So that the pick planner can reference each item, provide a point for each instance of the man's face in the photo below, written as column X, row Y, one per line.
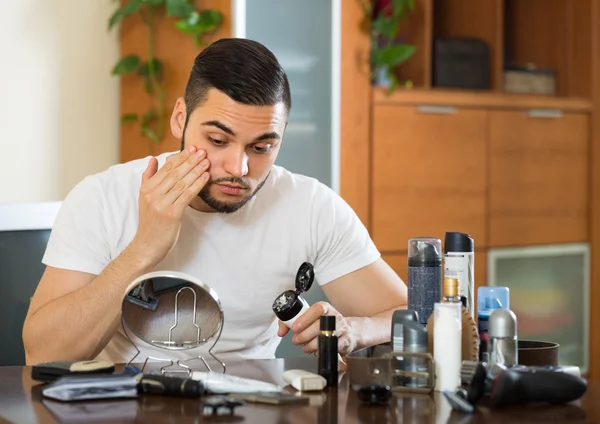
column 241, row 142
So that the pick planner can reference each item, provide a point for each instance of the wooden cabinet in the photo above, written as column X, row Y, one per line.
column 428, row 173
column 538, row 177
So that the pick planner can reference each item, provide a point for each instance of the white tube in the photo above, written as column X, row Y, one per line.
column 291, row 321
column 223, row 383
column 447, row 332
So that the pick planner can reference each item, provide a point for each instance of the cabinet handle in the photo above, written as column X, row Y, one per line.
column 545, row 113
column 442, row 110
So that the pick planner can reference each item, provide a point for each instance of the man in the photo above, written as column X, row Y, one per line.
column 219, row 210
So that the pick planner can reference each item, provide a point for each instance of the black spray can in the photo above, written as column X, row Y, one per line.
column 424, row 275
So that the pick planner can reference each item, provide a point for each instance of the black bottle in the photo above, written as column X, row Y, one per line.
column 328, row 350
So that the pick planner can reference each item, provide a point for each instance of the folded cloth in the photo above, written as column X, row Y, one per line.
column 105, row 386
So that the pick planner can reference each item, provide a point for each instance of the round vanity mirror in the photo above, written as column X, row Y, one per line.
column 172, row 310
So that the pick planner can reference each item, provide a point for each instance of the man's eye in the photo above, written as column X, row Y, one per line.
column 263, row 149
column 216, row 141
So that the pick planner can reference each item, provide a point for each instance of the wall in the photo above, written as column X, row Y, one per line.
column 59, row 109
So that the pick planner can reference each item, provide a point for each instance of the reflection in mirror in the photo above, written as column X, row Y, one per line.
column 172, row 311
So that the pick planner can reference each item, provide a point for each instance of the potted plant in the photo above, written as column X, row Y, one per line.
column 189, row 20
column 383, row 19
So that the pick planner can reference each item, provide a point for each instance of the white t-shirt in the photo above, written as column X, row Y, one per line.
column 248, row 257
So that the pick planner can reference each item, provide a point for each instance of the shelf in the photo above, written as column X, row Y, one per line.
column 493, row 100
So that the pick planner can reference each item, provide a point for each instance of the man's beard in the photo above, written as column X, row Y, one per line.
column 219, row 205
column 227, row 207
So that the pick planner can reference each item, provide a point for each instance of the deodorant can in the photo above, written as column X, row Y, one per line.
column 459, row 263
column 424, row 275
column 415, row 341
column 503, row 344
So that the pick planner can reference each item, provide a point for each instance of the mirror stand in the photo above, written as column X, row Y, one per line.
column 180, row 363
column 172, row 311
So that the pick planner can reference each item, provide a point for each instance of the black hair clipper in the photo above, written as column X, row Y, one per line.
column 507, row 386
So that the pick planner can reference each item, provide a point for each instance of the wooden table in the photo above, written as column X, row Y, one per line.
column 21, row 402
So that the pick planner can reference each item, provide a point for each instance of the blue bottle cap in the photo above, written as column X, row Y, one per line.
column 491, row 298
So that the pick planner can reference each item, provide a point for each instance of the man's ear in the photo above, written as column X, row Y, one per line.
column 178, row 119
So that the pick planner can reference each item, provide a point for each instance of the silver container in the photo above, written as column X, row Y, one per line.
column 502, row 333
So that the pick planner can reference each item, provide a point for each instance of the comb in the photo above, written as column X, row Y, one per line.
column 470, row 337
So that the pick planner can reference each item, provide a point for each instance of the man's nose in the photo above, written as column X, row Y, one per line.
column 236, row 164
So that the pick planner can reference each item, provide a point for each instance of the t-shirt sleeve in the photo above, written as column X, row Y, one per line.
column 78, row 238
column 342, row 243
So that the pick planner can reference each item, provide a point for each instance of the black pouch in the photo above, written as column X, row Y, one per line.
column 50, row 371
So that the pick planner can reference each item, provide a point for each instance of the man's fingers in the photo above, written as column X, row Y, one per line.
column 307, row 334
column 311, row 315
column 191, row 192
column 174, row 175
column 150, row 169
column 179, row 187
column 345, row 345
column 283, row 329
column 173, row 164
column 311, row 347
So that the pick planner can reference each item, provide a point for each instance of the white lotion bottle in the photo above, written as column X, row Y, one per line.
column 447, row 338
column 289, row 305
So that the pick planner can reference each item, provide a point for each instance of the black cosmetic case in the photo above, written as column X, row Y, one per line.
column 461, row 63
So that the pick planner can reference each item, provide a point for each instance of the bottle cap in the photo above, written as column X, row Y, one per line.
column 502, row 323
column 492, row 298
column 450, row 287
column 458, row 242
column 288, row 304
column 327, row 322
column 424, row 252
column 415, row 337
column 304, row 277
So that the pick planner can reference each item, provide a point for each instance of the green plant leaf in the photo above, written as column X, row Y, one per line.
column 129, row 117
column 149, row 133
column 127, row 64
column 393, row 81
column 398, row 7
column 198, row 23
column 144, row 69
column 149, row 116
column 179, row 8
column 154, row 2
column 385, row 26
column 393, row 55
column 121, row 13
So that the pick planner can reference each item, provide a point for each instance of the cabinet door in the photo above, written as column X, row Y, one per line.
column 428, row 174
column 538, row 178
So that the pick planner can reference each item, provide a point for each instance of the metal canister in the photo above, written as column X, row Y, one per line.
column 502, row 332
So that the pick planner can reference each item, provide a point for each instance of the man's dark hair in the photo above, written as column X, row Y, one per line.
column 243, row 69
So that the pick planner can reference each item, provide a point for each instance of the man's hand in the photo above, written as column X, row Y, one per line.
column 307, row 329
column 164, row 195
